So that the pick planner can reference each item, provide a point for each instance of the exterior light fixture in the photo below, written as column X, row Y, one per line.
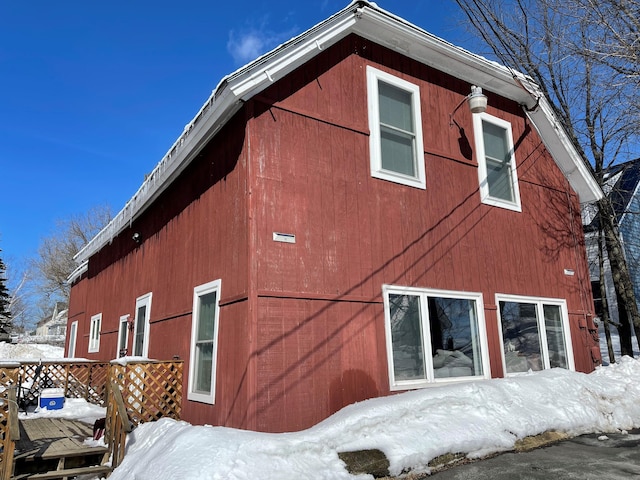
column 477, row 103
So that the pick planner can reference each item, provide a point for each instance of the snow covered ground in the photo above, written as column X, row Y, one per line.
column 411, row 428
column 477, row 418
column 29, row 351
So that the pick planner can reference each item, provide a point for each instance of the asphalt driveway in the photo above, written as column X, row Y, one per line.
column 586, row 457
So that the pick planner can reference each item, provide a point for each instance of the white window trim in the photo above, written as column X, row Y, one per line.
column 539, row 302
column 482, row 164
column 94, row 333
column 424, row 293
column 373, row 77
column 123, row 325
column 73, row 339
column 214, row 286
column 144, row 300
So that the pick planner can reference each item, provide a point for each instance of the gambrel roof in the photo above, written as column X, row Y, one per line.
column 369, row 21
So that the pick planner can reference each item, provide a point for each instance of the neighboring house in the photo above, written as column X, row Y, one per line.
column 56, row 324
column 622, row 184
column 332, row 227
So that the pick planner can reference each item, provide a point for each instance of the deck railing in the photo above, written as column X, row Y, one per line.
column 146, row 391
column 140, row 391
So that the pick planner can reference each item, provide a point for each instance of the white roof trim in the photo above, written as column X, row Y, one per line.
column 369, row 21
column 77, row 273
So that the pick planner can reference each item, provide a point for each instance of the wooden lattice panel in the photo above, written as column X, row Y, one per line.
column 4, row 430
column 79, row 380
column 88, row 381
column 8, row 380
column 9, row 376
column 150, row 390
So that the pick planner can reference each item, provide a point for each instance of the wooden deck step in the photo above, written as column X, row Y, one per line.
column 54, row 448
column 70, row 473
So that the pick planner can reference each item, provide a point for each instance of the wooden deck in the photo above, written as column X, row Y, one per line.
column 53, row 448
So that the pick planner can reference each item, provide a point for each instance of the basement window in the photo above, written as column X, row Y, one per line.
column 534, row 334
column 434, row 336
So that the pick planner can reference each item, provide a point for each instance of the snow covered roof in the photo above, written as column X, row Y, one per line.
column 366, row 19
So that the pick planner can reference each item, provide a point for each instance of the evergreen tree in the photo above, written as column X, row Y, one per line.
column 5, row 301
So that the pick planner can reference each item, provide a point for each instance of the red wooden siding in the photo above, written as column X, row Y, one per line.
column 302, row 325
column 354, row 233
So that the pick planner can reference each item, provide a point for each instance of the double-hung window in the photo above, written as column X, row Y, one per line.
column 534, row 334
column 395, row 123
column 496, row 162
column 204, row 342
column 94, row 333
column 434, row 336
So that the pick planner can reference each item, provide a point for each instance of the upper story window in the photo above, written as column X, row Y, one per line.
column 535, row 334
column 434, row 336
column 395, row 123
column 496, row 162
column 94, row 333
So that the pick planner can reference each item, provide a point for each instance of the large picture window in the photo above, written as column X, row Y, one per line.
column 434, row 336
column 535, row 334
column 395, row 123
column 204, row 339
column 496, row 162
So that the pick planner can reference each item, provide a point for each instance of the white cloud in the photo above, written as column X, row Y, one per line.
column 248, row 44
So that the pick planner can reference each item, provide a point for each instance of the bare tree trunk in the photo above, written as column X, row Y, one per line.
column 621, row 278
column 606, row 320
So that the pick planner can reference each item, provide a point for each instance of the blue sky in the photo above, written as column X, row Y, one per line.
column 93, row 94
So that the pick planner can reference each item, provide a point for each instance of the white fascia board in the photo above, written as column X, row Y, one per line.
column 564, row 153
column 77, row 273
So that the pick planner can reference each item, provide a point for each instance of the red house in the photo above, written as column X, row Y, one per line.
column 336, row 224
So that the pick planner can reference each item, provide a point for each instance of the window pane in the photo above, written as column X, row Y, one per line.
column 204, row 363
column 395, row 107
column 397, row 152
column 498, row 160
column 206, row 320
column 555, row 336
column 520, row 336
column 499, row 180
column 406, row 337
column 138, row 342
column 454, row 337
column 123, row 335
column 495, row 142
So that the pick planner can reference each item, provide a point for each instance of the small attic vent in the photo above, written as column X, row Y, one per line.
column 284, row 237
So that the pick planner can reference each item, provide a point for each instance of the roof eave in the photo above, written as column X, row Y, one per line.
column 564, row 152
